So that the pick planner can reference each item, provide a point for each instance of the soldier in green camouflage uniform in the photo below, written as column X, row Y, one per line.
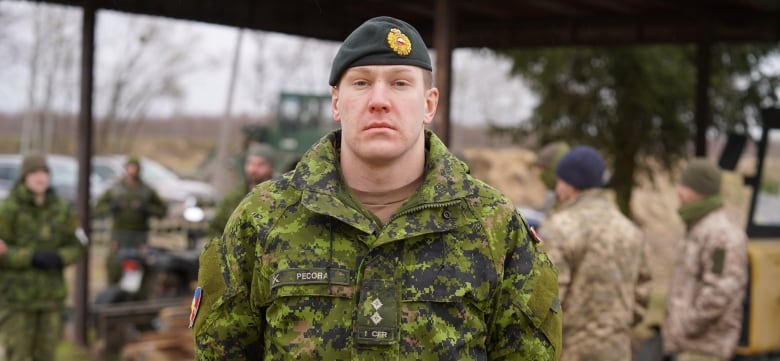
column 704, row 304
column 258, row 168
column 131, row 203
column 379, row 245
column 604, row 277
column 37, row 239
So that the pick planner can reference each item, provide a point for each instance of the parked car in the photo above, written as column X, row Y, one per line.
column 64, row 176
column 172, row 188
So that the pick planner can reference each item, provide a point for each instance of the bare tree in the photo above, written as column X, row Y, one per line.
column 145, row 69
column 52, row 48
column 289, row 63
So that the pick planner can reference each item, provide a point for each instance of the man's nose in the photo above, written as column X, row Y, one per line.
column 379, row 100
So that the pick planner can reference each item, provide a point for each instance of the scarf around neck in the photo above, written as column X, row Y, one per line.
column 694, row 211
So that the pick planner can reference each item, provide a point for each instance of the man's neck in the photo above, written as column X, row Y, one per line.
column 39, row 198
column 131, row 182
column 368, row 177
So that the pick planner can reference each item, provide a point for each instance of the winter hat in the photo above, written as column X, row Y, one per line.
column 31, row 163
column 380, row 41
column 582, row 168
column 548, row 158
column 261, row 150
column 703, row 176
column 133, row 160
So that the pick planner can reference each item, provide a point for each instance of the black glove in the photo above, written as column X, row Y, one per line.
column 142, row 208
column 46, row 260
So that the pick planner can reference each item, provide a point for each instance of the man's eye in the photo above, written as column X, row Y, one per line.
column 401, row 83
column 360, row 83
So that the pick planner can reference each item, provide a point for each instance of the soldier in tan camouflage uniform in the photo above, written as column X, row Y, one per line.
column 379, row 245
column 603, row 274
column 704, row 303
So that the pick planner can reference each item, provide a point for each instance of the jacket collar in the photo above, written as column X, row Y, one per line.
column 319, row 177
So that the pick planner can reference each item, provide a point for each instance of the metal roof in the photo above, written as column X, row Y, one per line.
column 489, row 23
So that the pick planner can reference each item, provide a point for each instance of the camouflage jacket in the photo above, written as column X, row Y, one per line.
column 26, row 228
column 704, row 303
column 604, row 277
column 304, row 272
column 130, row 207
column 225, row 208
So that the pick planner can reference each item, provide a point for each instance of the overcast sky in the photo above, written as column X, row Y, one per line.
column 270, row 63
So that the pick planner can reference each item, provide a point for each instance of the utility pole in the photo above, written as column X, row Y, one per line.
column 223, row 172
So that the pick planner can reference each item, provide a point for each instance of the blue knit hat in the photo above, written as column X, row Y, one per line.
column 582, row 168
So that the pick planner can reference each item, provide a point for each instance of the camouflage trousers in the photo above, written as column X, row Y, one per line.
column 29, row 335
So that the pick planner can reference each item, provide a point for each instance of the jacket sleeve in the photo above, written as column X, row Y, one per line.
column 643, row 285
column 526, row 320
column 724, row 274
column 156, row 207
column 14, row 257
column 226, row 326
column 554, row 245
column 103, row 205
column 70, row 248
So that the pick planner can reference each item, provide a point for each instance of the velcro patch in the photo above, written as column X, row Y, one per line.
column 718, row 259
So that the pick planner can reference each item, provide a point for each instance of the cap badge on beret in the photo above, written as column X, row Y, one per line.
column 399, row 42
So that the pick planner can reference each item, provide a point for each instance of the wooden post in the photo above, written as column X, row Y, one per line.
column 84, row 158
column 703, row 114
column 444, row 24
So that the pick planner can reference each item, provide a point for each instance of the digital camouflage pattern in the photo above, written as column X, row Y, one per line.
column 26, row 228
column 603, row 276
column 304, row 272
column 30, row 335
column 225, row 208
column 704, row 303
column 32, row 299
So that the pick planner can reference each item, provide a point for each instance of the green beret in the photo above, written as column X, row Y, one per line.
column 33, row 162
column 703, row 176
column 380, row 41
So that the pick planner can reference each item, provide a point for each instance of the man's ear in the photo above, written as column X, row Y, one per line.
column 431, row 103
column 334, row 103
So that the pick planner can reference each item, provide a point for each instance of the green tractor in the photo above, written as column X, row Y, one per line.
column 301, row 120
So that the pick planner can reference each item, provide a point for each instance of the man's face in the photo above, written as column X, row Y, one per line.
column 686, row 195
column 383, row 110
column 564, row 191
column 37, row 181
column 132, row 170
column 257, row 169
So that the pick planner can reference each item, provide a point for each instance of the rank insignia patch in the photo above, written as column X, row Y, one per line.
column 399, row 42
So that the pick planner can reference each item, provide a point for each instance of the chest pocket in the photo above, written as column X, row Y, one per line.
column 447, row 268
